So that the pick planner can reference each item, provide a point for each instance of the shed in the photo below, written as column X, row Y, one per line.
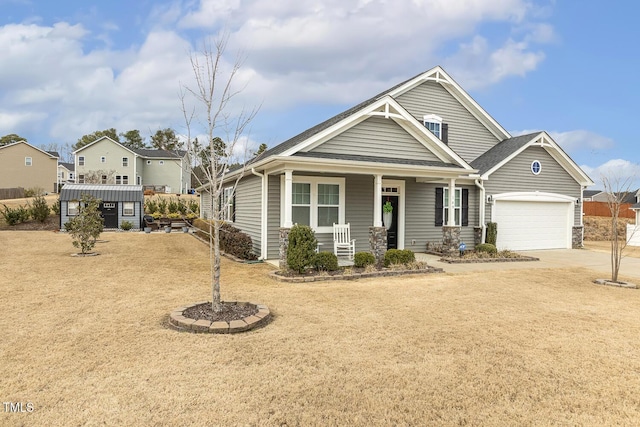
column 118, row 203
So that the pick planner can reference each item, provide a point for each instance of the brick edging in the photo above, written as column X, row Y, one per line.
column 181, row 323
column 387, row 273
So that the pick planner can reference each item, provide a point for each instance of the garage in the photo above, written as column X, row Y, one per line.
column 535, row 221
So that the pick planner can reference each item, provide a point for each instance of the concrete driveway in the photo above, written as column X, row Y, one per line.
column 553, row 258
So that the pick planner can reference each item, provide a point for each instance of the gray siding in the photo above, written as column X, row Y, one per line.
column 377, row 137
column 248, row 209
column 136, row 219
column 273, row 214
column 359, row 209
column 552, row 178
column 420, row 216
column 467, row 136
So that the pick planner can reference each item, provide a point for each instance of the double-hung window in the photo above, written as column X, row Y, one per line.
column 317, row 202
column 125, row 162
column 228, row 205
column 72, row 208
column 103, row 179
column 434, row 124
column 80, row 179
column 128, row 209
column 460, row 207
column 28, row 161
column 80, row 160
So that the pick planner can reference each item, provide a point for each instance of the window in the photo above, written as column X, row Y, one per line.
column 80, row 179
column 317, row 202
column 128, row 209
column 161, row 162
column 104, row 179
column 125, row 179
column 301, row 203
column 536, row 167
column 125, row 162
column 328, row 204
column 460, row 206
column 28, row 161
column 228, row 205
column 70, row 175
column 434, row 124
column 81, row 161
column 103, row 159
column 72, row 208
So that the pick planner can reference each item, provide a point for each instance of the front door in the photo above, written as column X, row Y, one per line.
column 109, row 212
column 392, row 229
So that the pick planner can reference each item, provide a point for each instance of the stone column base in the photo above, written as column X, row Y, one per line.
column 576, row 237
column 284, row 246
column 378, row 243
column 450, row 239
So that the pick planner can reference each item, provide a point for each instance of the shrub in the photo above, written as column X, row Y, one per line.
column 150, row 206
column 398, row 256
column 325, row 261
column 162, row 205
column 363, row 259
column 56, row 207
column 492, row 233
column 302, row 248
column 172, row 206
column 182, row 207
column 126, row 225
column 193, row 206
column 13, row 216
column 34, row 191
column 173, row 215
column 87, row 225
column 487, row 247
column 40, row 209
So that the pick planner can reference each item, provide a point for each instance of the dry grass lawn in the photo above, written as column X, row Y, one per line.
column 84, row 340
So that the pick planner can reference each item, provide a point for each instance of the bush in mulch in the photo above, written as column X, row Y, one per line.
column 232, row 240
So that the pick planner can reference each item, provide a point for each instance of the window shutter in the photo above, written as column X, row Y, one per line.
column 439, row 206
column 233, row 207
column 445, row 133
column 465, row 207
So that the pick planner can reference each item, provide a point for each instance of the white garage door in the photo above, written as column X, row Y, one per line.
column 526, row 225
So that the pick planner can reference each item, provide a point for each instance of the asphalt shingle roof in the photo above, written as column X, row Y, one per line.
column 501, row 151
column 69, row 166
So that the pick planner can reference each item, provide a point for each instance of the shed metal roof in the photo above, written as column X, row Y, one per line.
column 110, row 193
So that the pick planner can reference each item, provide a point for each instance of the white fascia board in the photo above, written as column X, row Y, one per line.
column 305, row 164
column 98, row 140
column 507, row 159
column 438, row 75
column 29, row 145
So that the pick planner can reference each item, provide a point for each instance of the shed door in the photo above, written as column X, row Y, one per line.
column 109, row 212
column 530, row 225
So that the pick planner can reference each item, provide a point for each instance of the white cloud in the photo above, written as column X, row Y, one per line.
column 582, row 140
column 624, row 175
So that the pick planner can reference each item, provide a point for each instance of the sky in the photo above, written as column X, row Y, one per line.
column 571, row 68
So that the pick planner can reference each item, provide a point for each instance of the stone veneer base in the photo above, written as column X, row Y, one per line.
column 619, row 284
column 178, row 322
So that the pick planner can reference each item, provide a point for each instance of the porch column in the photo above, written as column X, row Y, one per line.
column 452, row 203
column 288, row 197
column 377, row 202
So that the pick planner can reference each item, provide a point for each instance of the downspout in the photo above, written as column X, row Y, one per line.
column 263, row 214
column 481, row 208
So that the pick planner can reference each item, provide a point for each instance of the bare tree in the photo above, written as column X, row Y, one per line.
column 616, row 188
column 224, row 129
column 96, row 177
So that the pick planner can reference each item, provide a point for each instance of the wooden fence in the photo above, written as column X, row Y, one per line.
column 601, row 209
column 11, row 193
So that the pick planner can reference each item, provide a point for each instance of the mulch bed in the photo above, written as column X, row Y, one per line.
column 230, row 311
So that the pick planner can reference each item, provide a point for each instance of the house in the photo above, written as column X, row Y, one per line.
column 106, row 161
column 445, row 165
column 633, row 230
column 588, row 195
column 624, row 196
column 118, row 203
column 66, row 173
column 26, row 166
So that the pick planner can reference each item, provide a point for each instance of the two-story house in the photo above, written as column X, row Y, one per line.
column 26, row 166
column 106, row 161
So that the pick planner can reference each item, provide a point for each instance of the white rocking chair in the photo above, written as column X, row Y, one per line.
column 342, row 243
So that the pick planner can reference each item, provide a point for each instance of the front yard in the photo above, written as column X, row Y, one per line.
column 84, row 340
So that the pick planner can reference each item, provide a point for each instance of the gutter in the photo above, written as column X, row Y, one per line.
column 263, row 213
column 481, row 213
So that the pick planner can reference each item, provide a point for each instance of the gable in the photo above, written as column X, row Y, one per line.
column 516, row 175
column 377, row 137
column 467, row 135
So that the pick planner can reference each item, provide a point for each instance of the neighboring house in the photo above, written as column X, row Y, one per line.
column 625, row 196
column 588, row 195
column 66, row 173
column 428, row 148
column 106, row 161
column 633, row 230
column 118, row 203
column 26, row 166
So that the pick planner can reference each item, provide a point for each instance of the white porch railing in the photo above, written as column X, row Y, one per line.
column 633, row 235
